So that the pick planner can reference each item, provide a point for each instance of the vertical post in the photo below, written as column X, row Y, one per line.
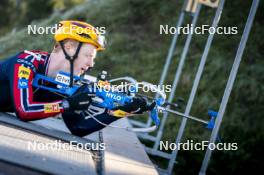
column 177, row 77
column 98, row 157
column 195, row 85
column 230, row 83
column 170, row 53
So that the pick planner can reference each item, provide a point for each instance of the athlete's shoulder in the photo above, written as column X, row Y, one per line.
column 33, row 55
column 32, row 58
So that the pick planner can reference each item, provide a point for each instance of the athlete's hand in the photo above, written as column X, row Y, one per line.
column 137, row 106
column 79, row 101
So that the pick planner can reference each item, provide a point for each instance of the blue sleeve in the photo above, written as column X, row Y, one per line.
column 81, row 126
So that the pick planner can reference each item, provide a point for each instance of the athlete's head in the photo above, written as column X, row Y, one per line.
column 76, row 41
column 84, row 60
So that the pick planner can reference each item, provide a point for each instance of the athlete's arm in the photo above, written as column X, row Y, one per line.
column 21, row 87
column 83, row 125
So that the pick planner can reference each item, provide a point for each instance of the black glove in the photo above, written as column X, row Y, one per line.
column 137, row 106
column 79, row 101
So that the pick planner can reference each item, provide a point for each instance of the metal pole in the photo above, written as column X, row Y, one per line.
column 176, row 78
column 170, row 53
column 195, row 85
column 230, row 83
column 100, row 167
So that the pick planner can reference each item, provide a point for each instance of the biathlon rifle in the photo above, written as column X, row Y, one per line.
column 110, row 97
